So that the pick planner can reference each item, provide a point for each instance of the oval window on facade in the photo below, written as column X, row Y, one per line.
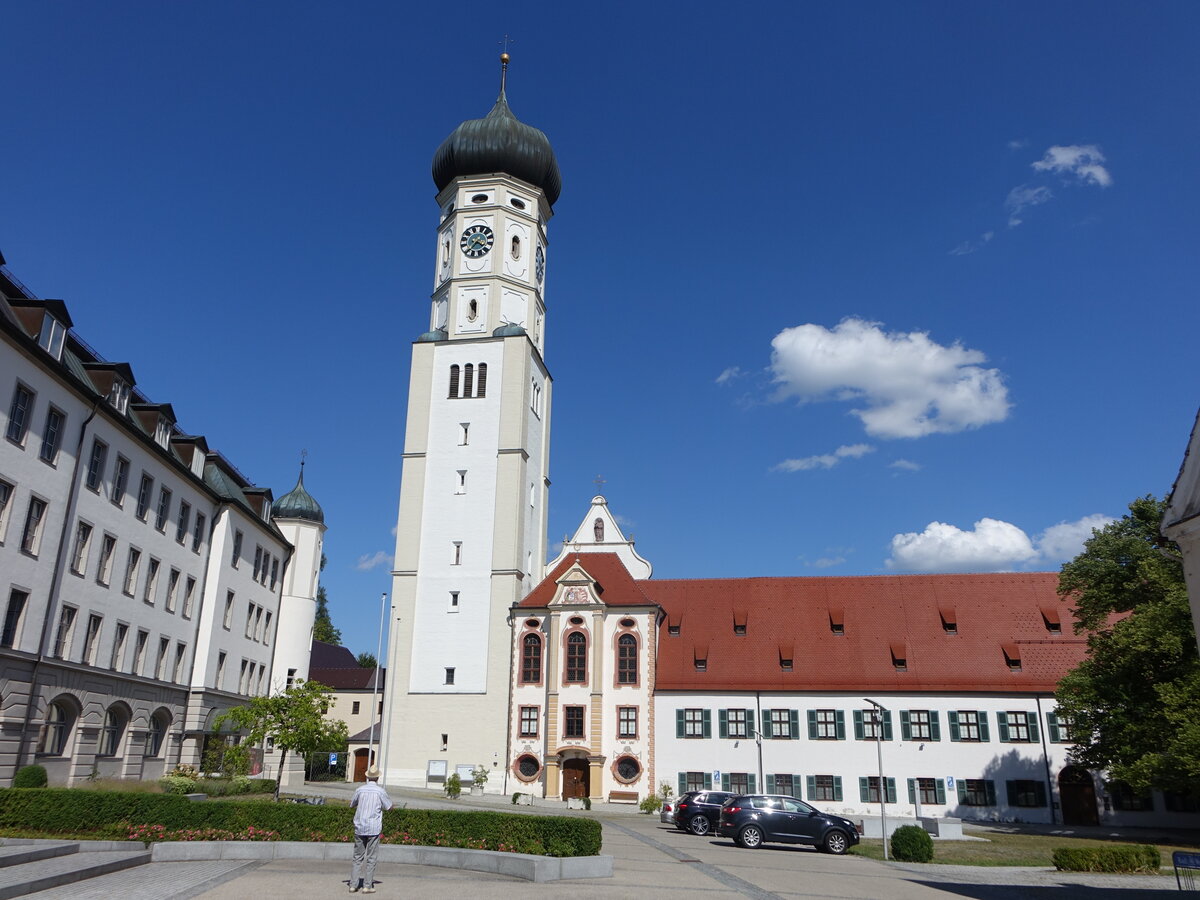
column 528, row 767
column 479, row 198
column 516, row 247
column 519, row 204
column 628, row 769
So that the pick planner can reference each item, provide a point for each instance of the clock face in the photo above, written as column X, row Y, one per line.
column 539, row 265
column 476, row 241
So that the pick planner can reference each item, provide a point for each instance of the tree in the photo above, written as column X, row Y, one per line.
column 1131, row 703
column 295, row 719
column 368, row 660
column 323, row 629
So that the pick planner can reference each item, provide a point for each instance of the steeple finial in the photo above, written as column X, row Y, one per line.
column 504, row 64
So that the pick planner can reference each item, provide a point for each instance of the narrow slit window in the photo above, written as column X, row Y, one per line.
column 453, row 382
column 482, row 388
column 468, row 380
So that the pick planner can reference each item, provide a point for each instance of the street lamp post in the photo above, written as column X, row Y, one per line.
column 877, row 720
column 375, row 693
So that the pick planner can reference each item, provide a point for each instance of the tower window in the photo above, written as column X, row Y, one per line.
column 517, row 204
column 450, row 675
column 454, row 381
column 466, row 433
column 468, row 378
column 576, row 658
column 453, row 601
column 516, row 247
column 627, row 659
column 482, row 392
column 457, row 554
column 472, row 310
column 531, row 659
column 480, row 198
column 460, row 486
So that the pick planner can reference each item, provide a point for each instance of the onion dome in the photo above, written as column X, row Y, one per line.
column 438, row 334
column 298, row 504
column 508, row 330
column 499, row 142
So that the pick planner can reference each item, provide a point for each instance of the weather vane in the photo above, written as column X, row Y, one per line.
column 599, row 482
column 507, row 40
column 303, row 456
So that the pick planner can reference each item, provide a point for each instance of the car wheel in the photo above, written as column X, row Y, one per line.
column 699, row 825
column 835, row 842
column 751, row 837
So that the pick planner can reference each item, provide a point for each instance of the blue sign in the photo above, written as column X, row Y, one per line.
column 1186, row 860
column 333, row 759
column 950, row 782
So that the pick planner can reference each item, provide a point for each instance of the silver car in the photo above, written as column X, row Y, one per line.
column 666, row 815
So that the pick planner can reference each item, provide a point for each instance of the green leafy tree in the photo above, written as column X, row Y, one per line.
column 295, row 719
column 1132, row 702
column 323, row 629
column 368, row 660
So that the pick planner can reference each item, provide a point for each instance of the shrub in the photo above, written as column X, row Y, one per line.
column 516, row 796
column 75, row 811
column 651, row 804
column 912, row 843
column 177, row 784
column 453, row 785
column 1121, row 858
column 30, row 777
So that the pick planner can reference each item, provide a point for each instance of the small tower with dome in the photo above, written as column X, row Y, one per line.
column 299, row 516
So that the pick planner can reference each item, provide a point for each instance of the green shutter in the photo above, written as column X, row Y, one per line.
column 953, row 717
column 962, row 790
column 812, row 724
column 1011, row 790
column 1002, row 726
column 864, row 790
column 1041, row 793
column 858, row 725
column 935, row 728
column 708, row 781
column 682, row 784
column 753, row 785
column 905, row 725
column 706, row 723
column 941, row 791
column 989, row 787
column 750, row 723
column 887, row 724
column 1031, row 718
column 679, row 726
column 912, row 790
column 1052, row 728
column 794, row 722
column 984, row 734
column 810, row 787
column 770, row 784
column 837, row 788
column 839, row 718
column 891, row 790
column 724, row 781
column 766, row 723
column 723, row 723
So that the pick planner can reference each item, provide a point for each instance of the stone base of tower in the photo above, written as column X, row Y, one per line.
column 451, row 730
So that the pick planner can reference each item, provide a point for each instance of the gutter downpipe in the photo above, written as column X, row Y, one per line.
column 55, row 584
column 1046, row 762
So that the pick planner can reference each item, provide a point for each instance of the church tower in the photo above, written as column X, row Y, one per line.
column 471, row 532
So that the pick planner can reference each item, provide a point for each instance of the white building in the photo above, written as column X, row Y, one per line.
column 141, row 574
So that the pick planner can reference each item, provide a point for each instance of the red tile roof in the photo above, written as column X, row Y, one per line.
column 614, row 584
column 881, row 616
column 348, row 678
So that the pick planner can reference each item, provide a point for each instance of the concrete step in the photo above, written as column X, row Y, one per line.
column 39, row 875
column 14, row 854
column 154, row 881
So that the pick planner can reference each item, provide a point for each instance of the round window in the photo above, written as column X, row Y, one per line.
column 628, row 769
column 627, row 623
column 532, row 623
column 576, row 620
column 480, row 198
column 528, row 766
column 519, row 204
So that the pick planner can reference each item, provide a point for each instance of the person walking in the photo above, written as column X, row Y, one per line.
column 369, row 802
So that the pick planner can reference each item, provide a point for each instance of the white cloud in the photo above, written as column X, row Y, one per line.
column 826, row 562
column 991, row 546
column 968, row 247
column 1018, row 144
column 369, row 561
column 905, row 464
column 824, row 460
column 729, row 374
column 911, row 386
column 1021, row 198
column 1082, row 161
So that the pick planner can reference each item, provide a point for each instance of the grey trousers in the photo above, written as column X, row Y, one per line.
column 366, row 852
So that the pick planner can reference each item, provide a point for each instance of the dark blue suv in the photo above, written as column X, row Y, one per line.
column 755, row 819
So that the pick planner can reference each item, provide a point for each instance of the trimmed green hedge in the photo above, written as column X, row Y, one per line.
column 1122, row 858
column 912, row 843
column 62, row 811
column 30, row 777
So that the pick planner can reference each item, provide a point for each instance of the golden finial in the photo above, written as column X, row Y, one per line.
column 504, row 62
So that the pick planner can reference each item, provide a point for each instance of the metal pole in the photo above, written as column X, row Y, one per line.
column 877, row 721
column 375, row 692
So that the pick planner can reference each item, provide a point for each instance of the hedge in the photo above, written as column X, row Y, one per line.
column 62, row 811
column 1122, row 858
column 912, row 843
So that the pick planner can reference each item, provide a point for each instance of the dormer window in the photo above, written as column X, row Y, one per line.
column 949, row 619
column 52, row 335
column 118, row 395
column 162, row 432
column 899, row 656
column 837, row 620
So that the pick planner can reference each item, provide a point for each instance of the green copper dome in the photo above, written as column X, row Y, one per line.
column 298, row 504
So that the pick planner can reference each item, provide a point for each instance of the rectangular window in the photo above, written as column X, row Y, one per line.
column 827, row 725
column 189, row 594
column 782, row 784
column 573, row 722
column 291, row 678
column 52, row 435
column 927, row 790
column 249, row 620
column 172, row 590
column 1058, row 728
column 114, row 661
column 529, row 721
column 62, row 640
column 95, row 470
column 160, row 666
column 83, row 536
column 737, row 723
column 181, row 525
column 139, row 651
column 274, row 573
column 227, row 623
column 696, row 781
column 19, row 414
column 242, row 676
column 180, row 653
column 1125, row 799
column 920, row 725
column 90, row 638
column 145, row 489
column 1026, row 792
column 6, row 495
column 969, row 725
column 237, row 549
column 693, row 723
column 627, row 721
column 266, row 635
column 220, row 676
column 151, row 589
column 976, row 792
column 781, row 723
column 460, row 482
column 457, row 558
column 198, row 532
column 258, row 558
column 825, row 787
column 164, row 509
column 108, row 549
column 739, row 782
column 31, row 537
column 354, row 707
column 465, row 434
column 258, row 616
column 120, row 480
column 449, row 675
column 868, row 789
column 1018, row 727
column 51, row 337
column 12, row 617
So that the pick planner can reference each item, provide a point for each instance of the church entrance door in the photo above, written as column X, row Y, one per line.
column 1078, row 793
column 360, row 764
column 574, row 778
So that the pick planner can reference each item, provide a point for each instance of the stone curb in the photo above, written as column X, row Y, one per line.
column 518, row 865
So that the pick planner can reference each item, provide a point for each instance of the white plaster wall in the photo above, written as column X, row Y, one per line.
column 298, row 606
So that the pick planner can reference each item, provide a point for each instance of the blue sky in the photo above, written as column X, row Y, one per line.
column 833, row 288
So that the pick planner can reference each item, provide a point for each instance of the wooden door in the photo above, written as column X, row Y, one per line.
column 360, row 764
column 574, row 778
column 1078, row 793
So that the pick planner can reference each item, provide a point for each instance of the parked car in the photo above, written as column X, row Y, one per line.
column 666, row 814
column 754, row 819
column 699, row 811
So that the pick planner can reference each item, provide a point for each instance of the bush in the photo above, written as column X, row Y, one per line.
column 1121, row 858
column 651, row 804
column 912, row 843
column 75, row 811
column 30, row 777
column 453, row 786
column 178, row 784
